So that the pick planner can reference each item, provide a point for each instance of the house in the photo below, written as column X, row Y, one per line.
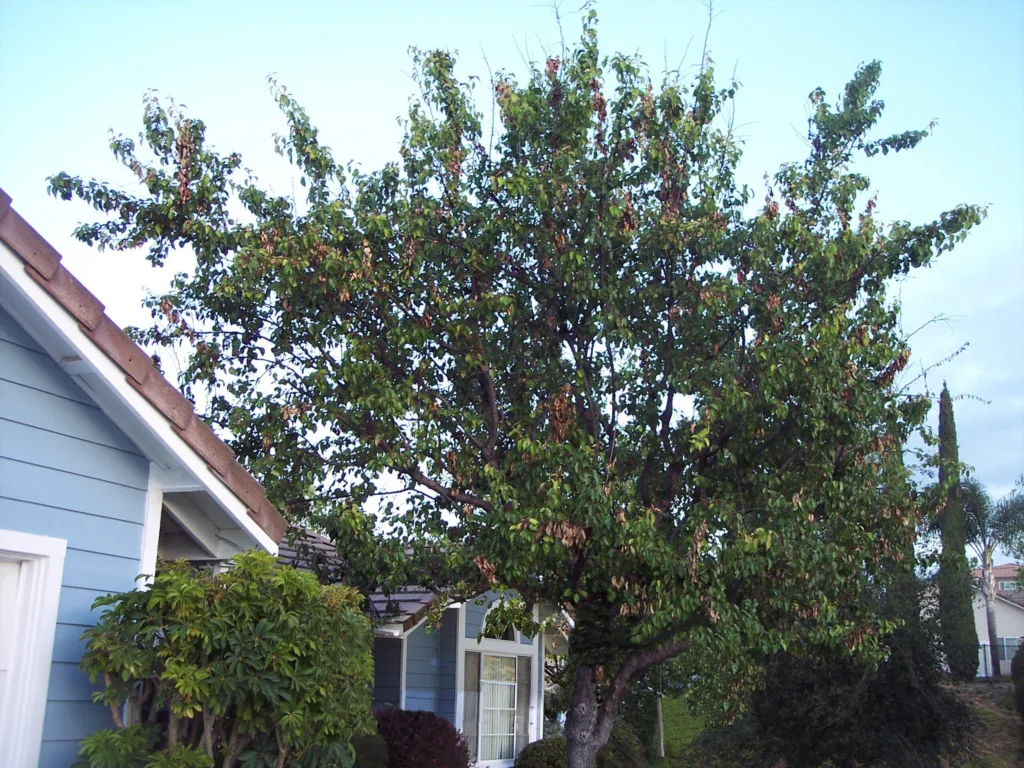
column 490, row 686
column 1008, row 582
column 1009, row 608
column 104, row 466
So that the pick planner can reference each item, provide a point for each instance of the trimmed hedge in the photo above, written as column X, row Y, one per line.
column 623, row 750
column 371, row 752
column 421, row 740
column 1017, row 665
column 551, row 752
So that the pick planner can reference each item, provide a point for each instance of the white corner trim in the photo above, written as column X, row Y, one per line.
column 460, row 668
column 401, row 680
column 35, row 619
column 125, row 397
column 414, row 627
column 150, row 529
column 537, row 699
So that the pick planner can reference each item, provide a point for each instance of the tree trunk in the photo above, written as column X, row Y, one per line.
column 173, row 727
column 661, row 729
column 206, row 743
column 236, row 744
column 588, row 724
column 988, row 588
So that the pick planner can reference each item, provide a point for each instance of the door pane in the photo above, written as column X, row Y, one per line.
column 471, row 716
column 498, row 708
column 497, row 748
column 499, row 669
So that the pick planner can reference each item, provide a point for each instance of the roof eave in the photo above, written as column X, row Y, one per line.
column 126, row 376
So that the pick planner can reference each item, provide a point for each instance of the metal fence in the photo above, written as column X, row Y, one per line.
column 1007, row 647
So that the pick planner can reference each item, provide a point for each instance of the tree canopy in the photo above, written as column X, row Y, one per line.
column 991, row 524
column 580, row 358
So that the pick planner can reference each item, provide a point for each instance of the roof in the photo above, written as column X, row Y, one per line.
column 1016, row 599
column 1004, row 571
column 310, row 551
column 43, row 264
column 405, row 606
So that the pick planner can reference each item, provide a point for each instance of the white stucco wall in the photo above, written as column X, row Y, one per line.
column 1009, row 623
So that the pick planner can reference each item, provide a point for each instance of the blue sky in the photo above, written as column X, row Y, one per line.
column 71, row 71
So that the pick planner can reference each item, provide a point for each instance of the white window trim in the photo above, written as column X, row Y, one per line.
column 492, row 647
column 42, row 569
column 490, row 644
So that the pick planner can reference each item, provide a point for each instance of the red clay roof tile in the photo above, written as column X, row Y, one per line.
column 71, row 295
column 167, row 399
column 1004, row 571
column 269, row 520
column 215, row 453
column 27, row 243
column 42, row 262
column 116, row 344
column 245, row 486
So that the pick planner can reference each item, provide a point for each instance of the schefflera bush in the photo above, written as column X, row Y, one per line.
column 258, row 665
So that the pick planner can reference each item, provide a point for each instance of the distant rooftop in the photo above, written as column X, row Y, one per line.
column 309, row 551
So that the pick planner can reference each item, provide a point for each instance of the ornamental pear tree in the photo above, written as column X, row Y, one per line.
column 956, row 612
column 569, row 355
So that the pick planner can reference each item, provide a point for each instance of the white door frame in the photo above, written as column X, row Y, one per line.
column 35, row 620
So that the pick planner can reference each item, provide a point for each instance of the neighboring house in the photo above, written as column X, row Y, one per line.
column 1008, row 583
column 490, row 687
column 1009, row 618
column 104, row 466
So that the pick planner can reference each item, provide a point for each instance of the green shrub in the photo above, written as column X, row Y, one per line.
column 1018, row 694
column 421, row 740
column 623, row 750
column 551, row 752
column 734, row 746
column 1017, row 665
column 371, row 752
column 241, row 666
column 833, row 708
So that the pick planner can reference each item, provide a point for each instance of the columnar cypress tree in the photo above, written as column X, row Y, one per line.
column 956, row 617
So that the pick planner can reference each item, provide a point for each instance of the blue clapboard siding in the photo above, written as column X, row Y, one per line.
column 58, row 752
column 476, row 610
column 430, row 667
column 449, row 636
column 387, row 671
column 67, row 471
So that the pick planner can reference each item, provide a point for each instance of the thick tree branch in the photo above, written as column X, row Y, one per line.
column 451, row 494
